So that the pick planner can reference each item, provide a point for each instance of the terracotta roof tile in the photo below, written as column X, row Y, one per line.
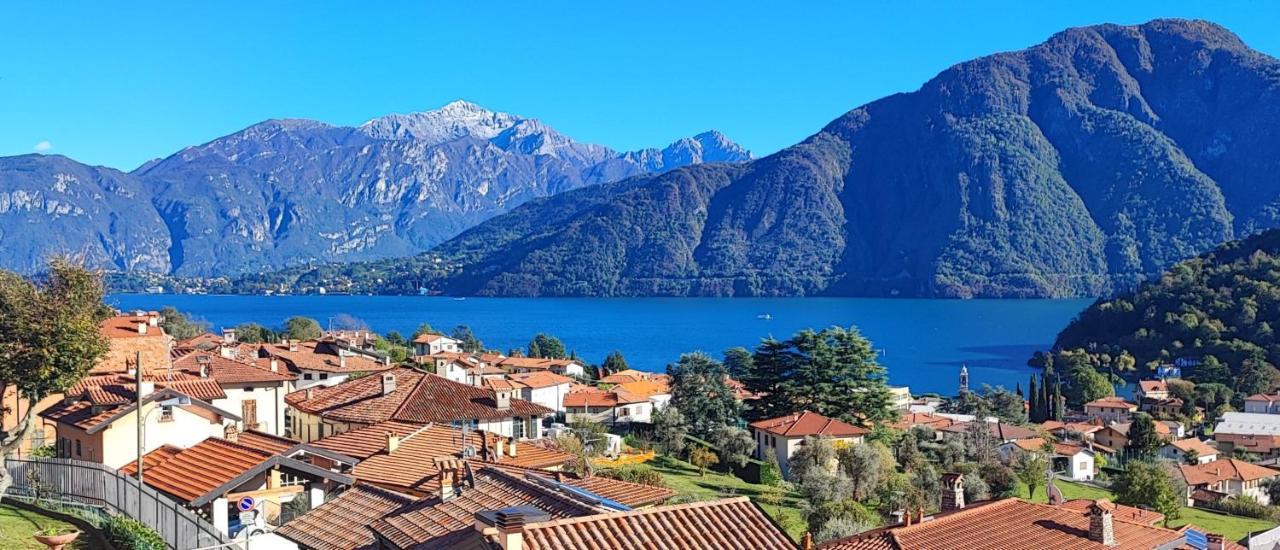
column 1111, row 403
column 806, row 424
column 539, row 379
column 151, row 460
column 343, row 522
column 733, row 523
column 1192, row 444
column 320, row 356
column 433, row 523
column 417, row 398
column 625, row 492
column 229, row 371
column 1219, row 470
column 411, row 468
column 365, row 442
column 262, row 441
column 910, row 420
column 1148, row 386
column 1009, row 524
column 126, row 343
column 198, row 469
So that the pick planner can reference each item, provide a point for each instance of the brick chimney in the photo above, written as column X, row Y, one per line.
column 952, row 492
column 230, row 433
column 388, row 383
column 507, row 525
column 293, row 345
column 1101, row 524
column 228, row 336
column 502, row 398
column 393, row 442
column 308, row 394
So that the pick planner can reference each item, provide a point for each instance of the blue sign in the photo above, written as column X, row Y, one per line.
column 1196, row 539
column 246, row 504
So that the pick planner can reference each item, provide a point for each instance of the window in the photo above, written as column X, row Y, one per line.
column 517, row 428
column 249, row 413
column 248, row 389
column 306, row 376
column 324, row 376
column 166, row 413
column 288, row 479
column 78, row 448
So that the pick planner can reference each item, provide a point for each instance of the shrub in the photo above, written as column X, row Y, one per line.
column 47, row 451
column 770, row 472
column 643, row 475
column 126, row 533
column 1246, row 506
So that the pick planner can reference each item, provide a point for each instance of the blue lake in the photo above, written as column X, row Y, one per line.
column 923, row 342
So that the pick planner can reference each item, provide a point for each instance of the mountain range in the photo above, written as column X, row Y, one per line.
column 293, row 192
column 1075, row 167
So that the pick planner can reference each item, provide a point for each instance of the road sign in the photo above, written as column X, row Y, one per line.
column 246, row 504
column 247, row 518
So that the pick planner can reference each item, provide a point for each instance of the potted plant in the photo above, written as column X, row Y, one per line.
column 57, row 536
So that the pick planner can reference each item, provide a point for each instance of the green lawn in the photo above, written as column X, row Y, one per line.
column 685, row 480
column 17, row 527
column 1232, row 527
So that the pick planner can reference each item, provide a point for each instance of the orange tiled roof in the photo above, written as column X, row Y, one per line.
column 429, row 337
column 201, row 341
column 624, row 376
column 644, row 388
column 263, row 441
column 320, row 356
column 126, row 343
column 433, row 523
column 365, row 442
column 910, row 420
column 598, row 398
column 411, row 468
column 151, row 460
column 625, row 492
column 806, row 424
column 342, row 523
column 726, row 523
column 1192, row 444
column 1220, row 470
column 203, row 467
column 533, row 363
column 229, row 371
column 1119, row 511
column 1148, row 386
column 418, row 398
column 538, row 379
column 1111, row 403
column 1009, row 524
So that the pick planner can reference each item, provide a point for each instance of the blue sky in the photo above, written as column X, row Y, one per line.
column 116, row 85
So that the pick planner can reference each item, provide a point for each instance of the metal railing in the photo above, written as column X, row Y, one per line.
column 93, row 484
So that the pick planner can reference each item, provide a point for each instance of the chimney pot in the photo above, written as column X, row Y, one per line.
column 511, row 448
column 952, row 492
column 308, row 394
column 388, row 383
column 230, row 433
column 146, row 387
column 142, row 327
column 293, row 345
column 275, row 364
column 393, row 442
column 498, row 449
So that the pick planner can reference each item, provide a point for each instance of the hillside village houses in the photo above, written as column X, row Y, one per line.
column 1257, row 433
column 1110, row 409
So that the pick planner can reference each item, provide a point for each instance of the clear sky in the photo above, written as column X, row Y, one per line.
column 115, row 85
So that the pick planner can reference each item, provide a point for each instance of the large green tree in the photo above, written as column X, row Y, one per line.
column 832, row 372
column 1143, row 439
column 469, row 342
column 615, row 362
column 546, row 346
column 50, row 337
column 180, row 325
column 302, row 328
column 699, row 384
column 1151, row 485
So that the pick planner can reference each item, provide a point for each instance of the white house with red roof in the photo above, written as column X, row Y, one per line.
column 253, row 388
column 783, row 436
column 430, row 343
column 1263, row 403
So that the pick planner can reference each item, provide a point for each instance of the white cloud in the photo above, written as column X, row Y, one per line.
column 43, row 146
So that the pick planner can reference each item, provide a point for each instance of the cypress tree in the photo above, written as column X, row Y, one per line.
column 1046, row 399
column 1058, row 413
column 1019, row 390
column 1035, row 409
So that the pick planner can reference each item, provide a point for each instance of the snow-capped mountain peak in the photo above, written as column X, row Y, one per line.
column 457, row 119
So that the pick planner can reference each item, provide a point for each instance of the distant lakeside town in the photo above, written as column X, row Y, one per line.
column 337, row 437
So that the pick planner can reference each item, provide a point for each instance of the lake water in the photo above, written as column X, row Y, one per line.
column 923, row 342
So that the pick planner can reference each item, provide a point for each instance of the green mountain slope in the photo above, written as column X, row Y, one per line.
column 1076, row 167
